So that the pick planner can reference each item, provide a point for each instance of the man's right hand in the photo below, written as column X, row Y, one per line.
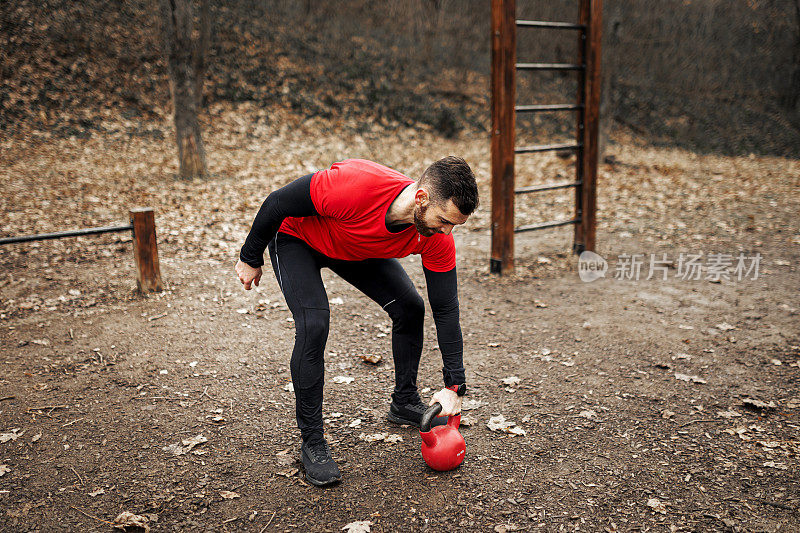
column 248, row 274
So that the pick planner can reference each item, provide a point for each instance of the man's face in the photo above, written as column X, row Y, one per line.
column 435, row 217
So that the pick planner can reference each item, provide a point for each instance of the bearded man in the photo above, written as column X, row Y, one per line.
column 356, row 218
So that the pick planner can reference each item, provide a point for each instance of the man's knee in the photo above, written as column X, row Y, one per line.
column 313, row 327
column 407, row 311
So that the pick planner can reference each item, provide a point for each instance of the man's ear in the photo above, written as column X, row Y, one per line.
column 421, row 197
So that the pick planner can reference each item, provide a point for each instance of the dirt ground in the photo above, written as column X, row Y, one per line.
column 635, row 396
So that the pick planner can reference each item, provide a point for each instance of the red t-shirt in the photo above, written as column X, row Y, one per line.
column 352, row 198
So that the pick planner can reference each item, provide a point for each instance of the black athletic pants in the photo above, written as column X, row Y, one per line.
column 297, row 269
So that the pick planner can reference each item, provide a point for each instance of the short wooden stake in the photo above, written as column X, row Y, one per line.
column 145, row 250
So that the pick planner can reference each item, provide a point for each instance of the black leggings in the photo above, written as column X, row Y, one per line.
column 297, row 269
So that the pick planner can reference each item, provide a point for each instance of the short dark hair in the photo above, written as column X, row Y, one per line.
column 450, row 178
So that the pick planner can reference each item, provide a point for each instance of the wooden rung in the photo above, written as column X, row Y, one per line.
column 547, row 148
column 549, row 66
column 544, row 225
column 554, row 25
column 546, row 107
column 547, row 187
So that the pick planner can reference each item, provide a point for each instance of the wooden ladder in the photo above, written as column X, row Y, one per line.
column 504, row 111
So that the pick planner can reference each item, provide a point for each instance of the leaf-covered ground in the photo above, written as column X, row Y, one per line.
column 663, row 405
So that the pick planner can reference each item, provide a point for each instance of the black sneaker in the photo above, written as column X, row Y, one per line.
column 411, row 414
column 320, row 467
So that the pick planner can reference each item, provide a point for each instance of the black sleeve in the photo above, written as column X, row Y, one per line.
column 443, row 296
column 292, row 200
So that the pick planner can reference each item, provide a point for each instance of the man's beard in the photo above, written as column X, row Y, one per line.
column 419, row 222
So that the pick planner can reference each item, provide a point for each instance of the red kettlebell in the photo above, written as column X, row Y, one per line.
column 443, row 447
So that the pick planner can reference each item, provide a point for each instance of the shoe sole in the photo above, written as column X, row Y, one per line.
column 319, row 483
column 394, row 419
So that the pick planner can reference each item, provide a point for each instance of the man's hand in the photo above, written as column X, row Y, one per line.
column 248, row 274
column 451, row 402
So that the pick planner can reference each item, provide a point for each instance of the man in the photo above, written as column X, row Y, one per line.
column 356, row 218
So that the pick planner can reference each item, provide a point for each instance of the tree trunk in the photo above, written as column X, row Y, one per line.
column 201, row 50
column 177, row 20
column 791, row 98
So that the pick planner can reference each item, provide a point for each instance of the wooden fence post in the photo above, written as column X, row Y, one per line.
column 504, row 57
column 590, row 51
column 145, row 250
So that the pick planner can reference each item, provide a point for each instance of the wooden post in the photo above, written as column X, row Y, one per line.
column 589, row 50
column 504, row 58
column 145, row 250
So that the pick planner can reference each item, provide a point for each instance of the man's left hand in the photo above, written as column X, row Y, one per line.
column 451, row 402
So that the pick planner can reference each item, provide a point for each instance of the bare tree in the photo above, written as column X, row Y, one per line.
column 185, row 64
column 791, row 98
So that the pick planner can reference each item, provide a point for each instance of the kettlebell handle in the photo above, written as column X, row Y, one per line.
column 428, row 416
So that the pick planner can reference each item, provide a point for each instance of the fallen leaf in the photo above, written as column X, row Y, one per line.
column 730, row 413
column 375, row 437
column 374, row 359
column 343, row 379
column 471, row 404
column 287, row 473
column 499, row 423
column 228, row 495
column 289, row 387
column 687, row 377
column 667, row 414
column 740, row 432
column 589, row 413
column 511, row 380
column 14, row 434
column 336, row 301
column 4, row 469
column 188, row 444
column 362, row 526
column 127, row 519
column 656, row 505
column 355, row 423
column 773, row 464
column 758, row 404
column 97, row 492
column 285, row 460
column 724, row 326
column 467, row 421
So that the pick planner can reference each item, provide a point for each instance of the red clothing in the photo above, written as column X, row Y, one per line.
column 352, row 198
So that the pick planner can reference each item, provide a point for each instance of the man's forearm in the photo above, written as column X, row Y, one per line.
column 293, row 200
column 443, row 296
